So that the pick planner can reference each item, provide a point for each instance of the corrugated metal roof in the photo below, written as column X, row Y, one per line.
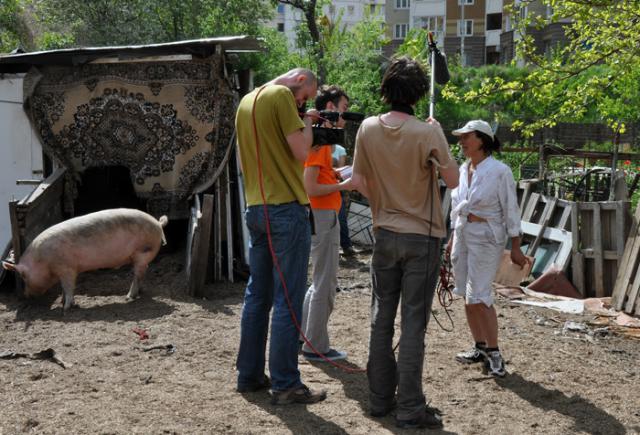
column 77, row 56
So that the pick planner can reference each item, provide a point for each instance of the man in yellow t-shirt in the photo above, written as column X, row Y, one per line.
column 323, row 188
column 273, row 143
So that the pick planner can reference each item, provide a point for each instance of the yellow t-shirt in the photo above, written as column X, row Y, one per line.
column 276, row 117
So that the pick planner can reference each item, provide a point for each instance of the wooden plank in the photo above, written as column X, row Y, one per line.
column 577, row 275
column 598, row 260
column 545, row 219
column 531, row 207
column 525, row 198
column 192, row 244
column 607, row 255
column 629, row 263
column 201, row 260
column 36, row 196
column 217, row 275
column 565, row 217
column 629, row 307
column 229, row 229
column 17, row 243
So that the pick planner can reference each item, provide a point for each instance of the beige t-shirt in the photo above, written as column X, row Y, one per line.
column 398, row 164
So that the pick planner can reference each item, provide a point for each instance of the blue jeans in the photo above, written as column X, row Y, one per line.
column 345, row 240
column 291, row 238
column 404, row 270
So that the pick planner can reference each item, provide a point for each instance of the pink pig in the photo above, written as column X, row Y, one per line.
column 101, row 240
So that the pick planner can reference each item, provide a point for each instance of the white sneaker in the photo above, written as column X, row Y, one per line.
column 473, row 355
column 495, row 364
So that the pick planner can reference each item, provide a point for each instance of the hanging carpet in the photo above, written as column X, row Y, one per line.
column 170, row 123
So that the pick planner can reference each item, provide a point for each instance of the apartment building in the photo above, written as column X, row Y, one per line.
column 477, row 32
column 468, row 29
column 545, row 39
column 350, row 12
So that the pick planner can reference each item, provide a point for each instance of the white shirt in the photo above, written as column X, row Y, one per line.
column 492, row 196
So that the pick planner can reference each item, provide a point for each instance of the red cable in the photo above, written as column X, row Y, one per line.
column 273, row 253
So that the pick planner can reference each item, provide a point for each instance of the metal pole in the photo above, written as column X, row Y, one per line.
column 463, row 31
column 432, row 96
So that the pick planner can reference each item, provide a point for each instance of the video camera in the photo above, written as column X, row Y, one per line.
column 334, row 135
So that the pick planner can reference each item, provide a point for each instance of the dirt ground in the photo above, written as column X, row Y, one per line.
column 558, row 383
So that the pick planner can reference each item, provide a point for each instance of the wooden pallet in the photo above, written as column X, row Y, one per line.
column 595, row 233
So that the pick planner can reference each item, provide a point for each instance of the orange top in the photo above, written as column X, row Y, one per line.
column 322, row 159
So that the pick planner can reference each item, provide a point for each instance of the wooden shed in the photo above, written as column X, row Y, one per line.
column 148, row 127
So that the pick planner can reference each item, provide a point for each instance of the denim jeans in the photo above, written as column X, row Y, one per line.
column 404, row 267
column 345, row 240
column 291, row 238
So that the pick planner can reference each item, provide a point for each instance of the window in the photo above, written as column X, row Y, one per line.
column 332, row 9
column 465, row 28
column 400, row 31
column 431, row 24
column 280, row 27
column 494, row 21
column 372, row 9
column 280, row 9
column 403, row 4
column 350, row 9
column 465, row 2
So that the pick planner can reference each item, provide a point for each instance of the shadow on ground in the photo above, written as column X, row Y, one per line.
column 587, row 417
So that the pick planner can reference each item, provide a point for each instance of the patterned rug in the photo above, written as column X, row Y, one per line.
column 169, row 123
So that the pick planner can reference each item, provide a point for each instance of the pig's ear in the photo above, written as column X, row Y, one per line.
column 10, row 266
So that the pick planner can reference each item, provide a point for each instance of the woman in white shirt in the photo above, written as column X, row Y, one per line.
column 484, row 213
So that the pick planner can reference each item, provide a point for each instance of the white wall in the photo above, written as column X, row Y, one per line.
column 20, row 151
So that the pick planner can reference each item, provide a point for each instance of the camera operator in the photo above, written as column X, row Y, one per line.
column 323, row 188
column 273, row 143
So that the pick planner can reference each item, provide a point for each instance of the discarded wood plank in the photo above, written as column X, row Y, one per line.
column 577, row 275
column 545, row 219
column 229, row 228
column 531, row 207
column 201, row 260
column 597, row 246
column 564, row 221
column 629, row 265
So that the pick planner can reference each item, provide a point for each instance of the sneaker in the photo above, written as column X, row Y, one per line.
column 471, row 356
column 302, row 394
column 495, row 364
column 253, row 387
column 381, row 412
column 332, row 355
column 431, row 418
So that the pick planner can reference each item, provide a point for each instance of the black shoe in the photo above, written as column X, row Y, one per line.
column 300, row 394
column 382, row 412
column 431, row 418
column 256, row 386
column 348, row 251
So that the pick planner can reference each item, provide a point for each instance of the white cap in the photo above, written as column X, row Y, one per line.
column 475, row 125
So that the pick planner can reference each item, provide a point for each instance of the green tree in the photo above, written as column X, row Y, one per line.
column 594, row 76
column 122, row 22
column 14, row 32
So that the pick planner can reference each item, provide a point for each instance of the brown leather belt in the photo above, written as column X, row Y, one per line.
column 473, row 218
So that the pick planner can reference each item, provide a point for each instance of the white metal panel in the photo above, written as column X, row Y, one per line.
column 494, row 6
column 492, row 38
column 428, row 8
column 20, row 151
